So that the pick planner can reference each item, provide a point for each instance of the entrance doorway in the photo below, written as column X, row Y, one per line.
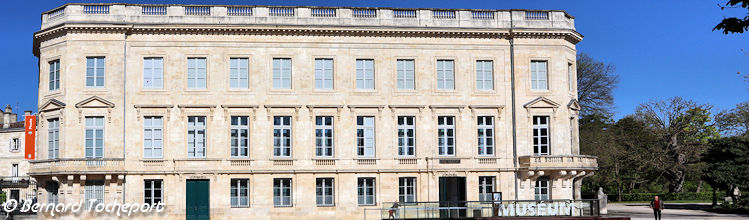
column 452, row 197
column 197, row 199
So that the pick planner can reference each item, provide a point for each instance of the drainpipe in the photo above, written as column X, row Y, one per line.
column 514, row 120
column 124, row 106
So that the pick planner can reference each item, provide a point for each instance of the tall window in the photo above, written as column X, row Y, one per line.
column 541, row 135
column 153, row 72
column 486, row 135
column 539, row 75
column 196, row 73
column 365, row 140
column 571, row 77
column 542, row 188
column 484, row 75
column 196, row 136
column 486, row 188
column 94, row 137
column 445, row 75
column 407, row 189
column 324, row 136
column 405, row 76
column 15, row 144
column 14, row 170
column 324, row 73
column 95, row 72
column 240, row 193
column 153, row 137
column 54, row 75
column 366, row 190
column 406, row 136
column 52, row 191
column 240, row 136
column 365, row 74
column 153, row 191
column 239, row 74
column 446, row 135
column 93, row 192
column 53, row 138
column 282, row 136
column 281, row 73
column 282, row 192
column 324, row 192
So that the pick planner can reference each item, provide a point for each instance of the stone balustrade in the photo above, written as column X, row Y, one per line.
column 77, row 165
column 558, row 162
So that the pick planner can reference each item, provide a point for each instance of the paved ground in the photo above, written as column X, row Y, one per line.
column 638, row 211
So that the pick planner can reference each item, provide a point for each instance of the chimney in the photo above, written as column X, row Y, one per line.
column 6, row 116
column 26, row 113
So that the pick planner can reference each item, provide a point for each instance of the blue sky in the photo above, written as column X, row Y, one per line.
column 660, row 48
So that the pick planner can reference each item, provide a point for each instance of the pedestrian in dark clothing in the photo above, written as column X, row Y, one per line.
column 657, row 206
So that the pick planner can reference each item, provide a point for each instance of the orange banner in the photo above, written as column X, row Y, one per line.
column 30, row 126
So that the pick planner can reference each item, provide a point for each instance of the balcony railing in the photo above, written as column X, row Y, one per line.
column 87, row 165
column 486, row 209
column 560, row 162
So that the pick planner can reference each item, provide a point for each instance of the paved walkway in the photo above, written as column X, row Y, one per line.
column 638, row 211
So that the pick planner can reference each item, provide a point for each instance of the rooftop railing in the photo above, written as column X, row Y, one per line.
column 536, row 15
column 482, row 15
column 404, row 13
column 364, row 13
column 198, row 10
column 239, row 11
column 96, row 9
column 323, row 12
column 281, row 12
column 154, row 10
column 443, row 14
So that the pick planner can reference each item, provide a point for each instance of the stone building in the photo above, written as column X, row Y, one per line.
column 14, row 181
column 305, row 112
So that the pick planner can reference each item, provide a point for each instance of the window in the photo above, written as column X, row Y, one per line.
column 282, row 192
column 281, row 73
column 365, row 141
column 52, row 188
column 94, row 137
column 542, row 188
column 486, row 188
column 196, row 136
column 14, row 170
column 486, row 135
column 93, row 192
column 365, row 74
column 240, row 136
column 95, row 72
column 407, row 189
column 54, row 75
column 484, row 75
column 239, row 75
column 282, row 136
column 15, row 144
column 324, row 192
column 324, row 74
column 541, row 135
column 53, row 138
column 446, row 135
column 406, row 136
column 153, row 137
column 405, row 75
column 445, row 75
column 153, row 72
column 366, row 191
column 240, row 193
column 196, row 73
column 539, row 75
column 153, row 191
column 324, row 136
column 571, row 77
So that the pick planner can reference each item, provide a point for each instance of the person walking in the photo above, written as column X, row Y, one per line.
column 657, row 206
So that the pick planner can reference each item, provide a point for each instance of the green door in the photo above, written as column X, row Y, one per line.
column 197, row 201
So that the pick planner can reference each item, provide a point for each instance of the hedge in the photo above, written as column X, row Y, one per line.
column 663, row 196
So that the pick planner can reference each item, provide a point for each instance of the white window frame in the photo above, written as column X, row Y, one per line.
column 54, row 75
column 365, row 75
column 486, row 140
column 197, row 73
column 445, row 74
column 153, row 137
column 14, row 170
column 538, row 138
column 93, row 189
column 539, row 75
column 365, row 143
column 151, row 188
column 240, row 192
column 96, row 72
column 239, row 144
column 443, row 130
column 196, row 143
column 239, row 73
column 325, row 191
column 53, row 138
column 324, row 144
column 94, row 124
column 15, row 144
column 406, row 142
column 282, row 198
column 153, row 72
column 487, row 186
column 542, row 189
column 366, row 191
column 324, row 74
column 407, row 189
column 485, row 75
column 280, row 148
column 406, row 74
column 282, row 73
column 52, row 188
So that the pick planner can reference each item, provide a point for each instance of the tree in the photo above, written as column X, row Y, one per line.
column 734, row 24
column 735, row 121
column 727, row 164
column 683, row 129
column 595, row 84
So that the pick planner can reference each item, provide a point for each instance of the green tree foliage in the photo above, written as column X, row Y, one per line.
column 735, row 121
column 734, row 24
column 595, row 84
column 728, row 164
